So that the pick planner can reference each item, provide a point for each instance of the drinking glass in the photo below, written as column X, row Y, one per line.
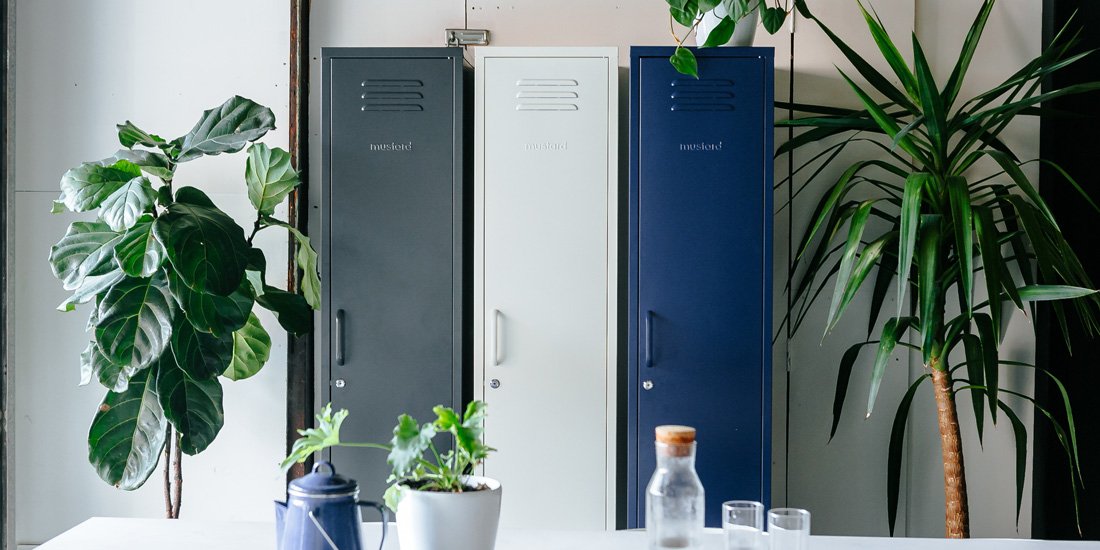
column 742, row 523
column 788, row 528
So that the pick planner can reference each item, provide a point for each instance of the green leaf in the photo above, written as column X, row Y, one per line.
column 990, row 247
column 773, row 18
column 843, row 379
column 218, row 315
column 891, row 54
column 251, row 350
column 306, row 258
column 227, row 129
column 94, row 285
column 57, row 207
column 269, row 177
column 122, row 208
column 987, row 332
column 1013, row 170
column 893, row 462
column 410, row 441
column 93, row 364
column 684, row 61
column 909, row 222
column 887, row 268
column 928, row 270
column 894, row 329
column 135, row 321
column 152, row 163
column 684, row 12
column 803, row 9
column 847, row 262
column 935, row 114
column 1019, row 432
column 130, row 135
column 201, row 355
column 127, row 434
column 194, row 407
column 707, row 5
column 87, row 249
column 958, row 74
column 888, row 123
column 291, row 309
column 1046, row 293
column 959, row 198
column 865, row 69
column 393, row 495
column 206, row 247
column 975, row 372
column 138, row 253
column 868, row 259
column 721, row 33
column 86, row 187
column 315, row 440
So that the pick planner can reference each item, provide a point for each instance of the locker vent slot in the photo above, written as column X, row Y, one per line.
column 383, row 94
column 547, row 94
column 705, row 94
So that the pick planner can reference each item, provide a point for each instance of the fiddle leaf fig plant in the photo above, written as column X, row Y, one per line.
column 172, row 282
column 943, row 211
column 689, row 13
column 411, row 443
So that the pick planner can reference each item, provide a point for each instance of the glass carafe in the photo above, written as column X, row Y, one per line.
column 674, row 497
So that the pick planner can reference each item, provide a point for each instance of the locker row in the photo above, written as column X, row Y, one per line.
column 481, row 239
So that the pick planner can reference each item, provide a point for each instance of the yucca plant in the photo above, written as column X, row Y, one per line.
column 946, row 209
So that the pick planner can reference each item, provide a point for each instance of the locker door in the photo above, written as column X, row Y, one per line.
column 391, row 222
column 701, row 269
column 545, row 287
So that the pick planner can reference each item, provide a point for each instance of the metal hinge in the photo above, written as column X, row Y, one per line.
column 467, row 37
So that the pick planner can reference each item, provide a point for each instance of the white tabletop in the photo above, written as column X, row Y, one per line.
column 161, row 534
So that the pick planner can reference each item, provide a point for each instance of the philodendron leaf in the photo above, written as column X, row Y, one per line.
column 86, row 187
column 205, row 246
column 127, row 434
column 93, row 364
column 291, row 309
column 121, row 209
column 87, row 248
column 251, row 350
column 773, row 18
column 721, row 33
column 130, row 135
column 306, row 258
column 194, row 407
column 138, row 252
column 202, row 355
column 135, row 321
column 269, row 177
column 684, row 61
column 684, row 12
column 218, row 315
column 410, row 441
column 227, row 129
column 151, row 162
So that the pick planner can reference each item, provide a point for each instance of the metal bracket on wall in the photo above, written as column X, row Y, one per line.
column 467, row 37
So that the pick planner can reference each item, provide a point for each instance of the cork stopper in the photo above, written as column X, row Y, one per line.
column 675, row 440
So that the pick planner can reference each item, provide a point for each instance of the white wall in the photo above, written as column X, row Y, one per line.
column 83, row 67
column 76, row 80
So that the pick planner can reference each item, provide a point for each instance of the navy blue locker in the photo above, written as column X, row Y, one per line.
column 700, row 273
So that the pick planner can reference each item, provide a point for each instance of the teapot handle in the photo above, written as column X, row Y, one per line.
column 385, row 517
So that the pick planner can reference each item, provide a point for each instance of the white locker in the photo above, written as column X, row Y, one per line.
column 545, row 197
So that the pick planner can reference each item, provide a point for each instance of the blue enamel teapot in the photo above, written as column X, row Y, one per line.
column 322, row 513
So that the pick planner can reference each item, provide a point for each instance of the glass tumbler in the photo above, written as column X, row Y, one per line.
column 789, row 528
column 742, row 524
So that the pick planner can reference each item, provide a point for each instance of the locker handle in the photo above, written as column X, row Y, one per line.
column 497, row 339
column 649, row 339
column 339, row 337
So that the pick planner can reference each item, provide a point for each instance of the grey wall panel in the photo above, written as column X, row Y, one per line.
column 392, row 229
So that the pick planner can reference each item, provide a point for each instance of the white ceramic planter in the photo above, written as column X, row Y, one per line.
column 451, row 521
column 744, row 33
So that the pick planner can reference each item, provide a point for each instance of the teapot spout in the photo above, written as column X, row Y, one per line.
column 280, row 520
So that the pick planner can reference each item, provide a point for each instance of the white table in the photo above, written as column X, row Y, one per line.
column 161, row 534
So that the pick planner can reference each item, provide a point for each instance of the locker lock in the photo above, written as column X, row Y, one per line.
column 647, row 385
column 339, row 383
column 494, row 383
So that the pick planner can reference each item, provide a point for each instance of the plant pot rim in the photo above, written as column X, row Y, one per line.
column 491, row 486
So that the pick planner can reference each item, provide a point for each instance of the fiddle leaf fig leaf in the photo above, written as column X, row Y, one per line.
column 409, row 442
column 251, row 350
column 201, row 355
column 306, row 258
column 86, row 249
column 135, row 321
column 86, row 187
column 138, row 252
column 684, row 61
column 205, row 246
column 127, row 434
column 151, row 162
column 193, row 406
column 130, row 135
column 218, row 315
column 227, row 129
column 269, row 177
column 58, row 207
column 94, row 285
column 291, row 309
column 93, row 364
column 121, row 209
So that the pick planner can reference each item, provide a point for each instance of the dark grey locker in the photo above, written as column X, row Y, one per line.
column 392, row 173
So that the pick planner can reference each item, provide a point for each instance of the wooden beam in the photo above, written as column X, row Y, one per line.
column 299, row 356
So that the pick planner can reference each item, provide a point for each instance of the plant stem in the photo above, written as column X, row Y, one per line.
column 167, row 477
column 177, row 481
column 954, row 474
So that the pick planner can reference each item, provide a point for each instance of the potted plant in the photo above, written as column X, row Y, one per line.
column 947, row 210
column 724, row 22
column 438, row 501
column 171, row 281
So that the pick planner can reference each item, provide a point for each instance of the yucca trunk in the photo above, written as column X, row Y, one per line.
column 954, row 475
